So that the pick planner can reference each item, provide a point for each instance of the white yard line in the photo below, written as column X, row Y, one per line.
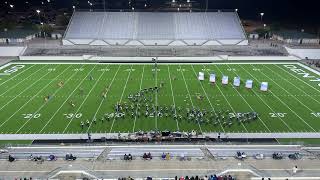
column 5, row 65
column 67, row 97
column 27, row 101
column 156, row 98
column 189, row 95
column 17, row 74
column 265, row 102
column 125, row 86
column 247, row 101
column 207, row 98
column 309, row 68
column 135, row 118
column 103, row 99
column 25, row 89
column 44, row 103
column 21, row 81
column 300, row 80
column 85, row 99
column 287, row 91
column 174, row 102
column 233, row 110
column 286, row 104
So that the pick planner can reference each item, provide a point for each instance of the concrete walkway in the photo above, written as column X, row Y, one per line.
column 161, row 168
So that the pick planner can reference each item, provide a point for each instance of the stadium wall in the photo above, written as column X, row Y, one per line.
column 304, row 53
column 164, row 59
column 8, row 51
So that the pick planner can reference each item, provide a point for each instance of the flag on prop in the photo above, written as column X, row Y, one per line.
column 201, row 76
column 264, row 86
column 249, row 84
column 236, row 81
column 212, row 78
column 225, row 80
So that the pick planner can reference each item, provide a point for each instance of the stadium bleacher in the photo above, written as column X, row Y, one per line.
column 155, row 28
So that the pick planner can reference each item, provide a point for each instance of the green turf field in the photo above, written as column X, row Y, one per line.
column 56, row 98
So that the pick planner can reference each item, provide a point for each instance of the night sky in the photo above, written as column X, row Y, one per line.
column 291, row 11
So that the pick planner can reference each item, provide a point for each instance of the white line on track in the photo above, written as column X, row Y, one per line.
column 83, row 101
column 17, row 75
column 135, row 118
column 283, row 69
column 125, row 86
column 174, row 102
column 247, row 101
column 287, row 105
column 26, row 102
column 207, row 98
column 103, row 99
column 265, row 102
column 189, row 96
column 67, row 97
column 44, row 103
column 233, row 110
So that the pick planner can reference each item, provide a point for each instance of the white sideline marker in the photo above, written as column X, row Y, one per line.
column 249, row 84
column 225, row 80
column 212, row 78
column 236, row 81
column 201, row 76
column 264, row 86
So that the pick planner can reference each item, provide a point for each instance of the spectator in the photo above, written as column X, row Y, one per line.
column 205, row 177
column 129, row 157
column 11, row 158
column 168, row 156
column 181, row 178
column 147, row 156
column 163, row 156
column 182, row 157
column 295, row 169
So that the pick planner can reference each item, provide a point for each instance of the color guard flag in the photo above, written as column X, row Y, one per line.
column 264, row 86
column 249, row 84
column 212, row 78
column 236, row 81
column 225, row 80
column 201, row 76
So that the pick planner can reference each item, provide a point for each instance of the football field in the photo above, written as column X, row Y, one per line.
column 51, row 98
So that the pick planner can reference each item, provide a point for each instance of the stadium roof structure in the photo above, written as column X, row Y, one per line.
column 155, row 28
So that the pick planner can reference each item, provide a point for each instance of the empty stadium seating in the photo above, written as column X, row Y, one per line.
column 154, row 28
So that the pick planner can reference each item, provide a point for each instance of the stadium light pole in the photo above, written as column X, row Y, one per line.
column 207, row 5
column 261, row 16
column 38, row 12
